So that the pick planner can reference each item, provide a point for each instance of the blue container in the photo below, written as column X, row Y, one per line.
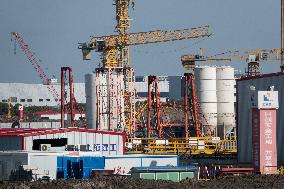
column 78, row 167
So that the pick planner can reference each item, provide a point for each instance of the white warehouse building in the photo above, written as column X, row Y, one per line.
column 36, row 94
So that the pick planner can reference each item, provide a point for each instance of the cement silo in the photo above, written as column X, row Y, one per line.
column 206, row 93
column 90, row 89
column 225, row 100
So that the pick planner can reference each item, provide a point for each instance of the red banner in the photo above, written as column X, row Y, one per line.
column 264, row 140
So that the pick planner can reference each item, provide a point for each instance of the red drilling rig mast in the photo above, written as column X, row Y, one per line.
column 34, row 60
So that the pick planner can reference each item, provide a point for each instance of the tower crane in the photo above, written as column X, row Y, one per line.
column 110, row 45
column 252, row 57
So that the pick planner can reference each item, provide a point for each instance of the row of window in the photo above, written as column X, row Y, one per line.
column 28, row 100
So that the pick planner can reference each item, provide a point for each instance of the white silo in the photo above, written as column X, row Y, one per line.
column 205, row 77
column 225, row 99
column 90, row 89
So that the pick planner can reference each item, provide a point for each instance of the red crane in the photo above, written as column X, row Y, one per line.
column 34, row 60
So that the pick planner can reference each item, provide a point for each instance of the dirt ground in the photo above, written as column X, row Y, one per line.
column 113, row 182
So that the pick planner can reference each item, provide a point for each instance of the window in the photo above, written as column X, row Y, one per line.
column 139, row 79
column 48, row 100
column 40, row 100
column 29, row 100
column 22, row 100
column 14, row 99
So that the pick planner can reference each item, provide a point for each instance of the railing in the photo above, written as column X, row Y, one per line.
column 192, row 146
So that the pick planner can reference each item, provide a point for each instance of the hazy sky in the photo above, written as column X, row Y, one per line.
column 53, row 28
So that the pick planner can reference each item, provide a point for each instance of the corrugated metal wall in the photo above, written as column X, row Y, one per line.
column 105, row 144
column 244, row 129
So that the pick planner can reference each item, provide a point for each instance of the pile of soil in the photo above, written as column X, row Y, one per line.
column 113, row 182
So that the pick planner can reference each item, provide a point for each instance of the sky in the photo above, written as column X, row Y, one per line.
column 53, row 29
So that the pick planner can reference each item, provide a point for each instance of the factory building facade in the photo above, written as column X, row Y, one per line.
column 38, row 94
column 246, row 88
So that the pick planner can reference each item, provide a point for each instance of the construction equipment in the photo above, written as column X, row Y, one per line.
column 110, row 46
column 107, row 45
column 191, row 103
column 35, row 61
column 253, row 57
column 68, row 107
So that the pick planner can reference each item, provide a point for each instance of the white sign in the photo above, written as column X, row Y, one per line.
column 21, row 108
column 267, row 100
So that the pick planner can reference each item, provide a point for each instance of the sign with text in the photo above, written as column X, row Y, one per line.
column 267, row 100
column 264, row 141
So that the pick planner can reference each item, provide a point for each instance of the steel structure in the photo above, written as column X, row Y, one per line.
column 115, row 52
column 191, row 105
column 153, row 100
column 253, row 57
column 192, row 146
column 35, row 61
column 65, row 109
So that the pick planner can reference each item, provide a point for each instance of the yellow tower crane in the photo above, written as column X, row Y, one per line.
column 111, row 45
column 252, row 57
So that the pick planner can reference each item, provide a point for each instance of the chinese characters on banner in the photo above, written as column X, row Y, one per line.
column 264, row 140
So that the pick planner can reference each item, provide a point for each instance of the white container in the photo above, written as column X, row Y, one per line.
column 207, row 97
column 209, row 114
column 225, row 98
column 90, row 89
column 205, row 85
column 225, row 73
column 205, row 72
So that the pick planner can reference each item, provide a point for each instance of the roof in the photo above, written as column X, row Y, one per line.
column 44, row 131
column 51, row 112
column 260, row 76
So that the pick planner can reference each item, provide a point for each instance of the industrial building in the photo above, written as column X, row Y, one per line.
column 246, row 89
column 38, row 94
column 104, row 143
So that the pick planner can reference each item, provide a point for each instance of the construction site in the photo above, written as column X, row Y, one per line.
column 211, row 125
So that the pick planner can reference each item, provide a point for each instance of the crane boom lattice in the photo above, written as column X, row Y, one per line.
column 34, row 60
